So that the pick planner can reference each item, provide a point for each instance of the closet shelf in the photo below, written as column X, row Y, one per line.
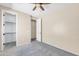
column 9, row 33
column 10, row 22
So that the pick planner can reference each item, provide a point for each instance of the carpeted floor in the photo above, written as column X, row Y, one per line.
column 35, row 49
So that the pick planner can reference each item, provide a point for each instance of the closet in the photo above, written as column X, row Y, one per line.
column 9, row 30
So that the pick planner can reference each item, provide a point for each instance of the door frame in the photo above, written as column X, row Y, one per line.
column 40, row 28
column 36, row 27
column 10, row 12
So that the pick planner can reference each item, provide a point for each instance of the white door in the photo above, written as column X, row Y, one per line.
column 38, row 30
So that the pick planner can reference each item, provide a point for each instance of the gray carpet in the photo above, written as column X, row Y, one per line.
column 35, row 49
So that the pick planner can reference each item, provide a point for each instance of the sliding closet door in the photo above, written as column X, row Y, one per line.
column 23, row 29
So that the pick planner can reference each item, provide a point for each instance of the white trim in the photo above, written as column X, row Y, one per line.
column 16, row 28
column 61, row 48
column 9, row 11
column 2, row 30
column 38, row 30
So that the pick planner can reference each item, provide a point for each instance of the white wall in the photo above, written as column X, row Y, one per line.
column 60, row 27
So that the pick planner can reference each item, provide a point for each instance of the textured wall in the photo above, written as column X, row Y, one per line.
column 60, row 28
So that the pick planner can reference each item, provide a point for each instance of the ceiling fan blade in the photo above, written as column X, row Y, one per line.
column 34, row 8
column 42, row 8
column 45, row 3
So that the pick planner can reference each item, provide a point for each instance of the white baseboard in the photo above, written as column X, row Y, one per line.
column 62, row 48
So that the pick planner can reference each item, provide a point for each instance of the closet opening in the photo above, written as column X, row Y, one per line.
column 36, row 29
column 9, row 30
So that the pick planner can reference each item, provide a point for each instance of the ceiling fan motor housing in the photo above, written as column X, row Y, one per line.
column 38, row 5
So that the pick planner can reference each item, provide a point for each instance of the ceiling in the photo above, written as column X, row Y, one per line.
column 26, row 8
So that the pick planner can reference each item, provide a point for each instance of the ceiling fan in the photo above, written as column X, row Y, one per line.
column 40, row 6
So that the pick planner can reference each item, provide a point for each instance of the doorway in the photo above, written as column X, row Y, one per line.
column 33, row 30
column 9, row 30
column 36, row 29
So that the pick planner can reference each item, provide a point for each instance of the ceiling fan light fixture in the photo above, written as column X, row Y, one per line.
column 38, row 5
column 34, row 8
column 41, row 7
